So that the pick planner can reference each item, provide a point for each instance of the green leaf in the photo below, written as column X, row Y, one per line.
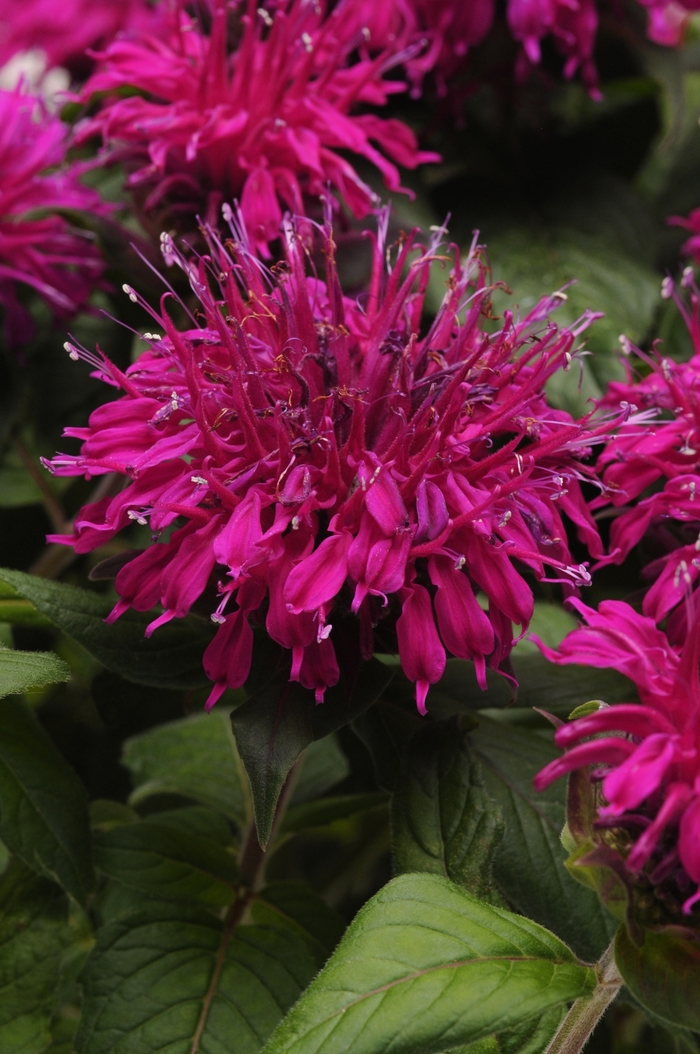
column 167, row 863
column 156, row 975
column 275, row 725
column 197, row 820
column 385, row 730
column 323, row 766
column 34, row 936
column 43, row 805
column 426, row 966
column 663, row 974
column 528, row 865
column 293, row 906
column 195, row 757
column 443, row 821
column 327, row 811
column 531, row 1038
column 22, row 670
column 171, row 658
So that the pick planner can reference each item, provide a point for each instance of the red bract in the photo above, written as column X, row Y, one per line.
column 663, row 455
column 319, row 457
column 38, row 247
column 63, row 31
column 648, row 755
column 262, row 122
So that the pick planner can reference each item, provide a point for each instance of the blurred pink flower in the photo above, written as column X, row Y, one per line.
column 262, row 122
column 315, row 451
column 38, row 246
column 63, row 31
column 648, row 755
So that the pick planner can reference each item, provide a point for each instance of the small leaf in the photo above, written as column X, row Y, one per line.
column 34, row 936
column 326, row 811
column 528, row 865
column 195, row 757
column 22, row 670
column 171, row 658
column 172, row 978
column 198, row 821
column 43, row 805
column 293, row 906
column 425, row 966
column 275, row 725
column 167, row 863
column 443, row 821
column 664, row 975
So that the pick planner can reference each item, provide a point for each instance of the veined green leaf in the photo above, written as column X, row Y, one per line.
column 424, row 967
column 22, row 670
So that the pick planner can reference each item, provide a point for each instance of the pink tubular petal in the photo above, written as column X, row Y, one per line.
column 689, row 839
column 464, row 626
column 639, row 775
column 599, row 752
column 421, row 652
column 631, row 718
column 319, row 577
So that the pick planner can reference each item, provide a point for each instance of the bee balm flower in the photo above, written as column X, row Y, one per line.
column 38, row 246
column 321, row 456
column 262, row 122
column 647, row 755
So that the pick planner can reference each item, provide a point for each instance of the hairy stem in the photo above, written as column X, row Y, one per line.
column 578, row 1025
column 251, row 869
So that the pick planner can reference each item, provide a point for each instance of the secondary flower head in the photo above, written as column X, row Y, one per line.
column 261, row 121
column 651, row 474
column 62, row 32
column 38, row 246
column 647, row 755
column 320, row 457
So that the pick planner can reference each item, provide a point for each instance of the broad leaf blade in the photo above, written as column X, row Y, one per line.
column 528, row 865
column 195, row 757
column 43, row 805
column 34, row 935
column 171, row 658
column 275, row 725
column 167, row 863
column 424, row 967
column 22, row 670
column 663, row 974
column 327, row 811
column 146, row 982
column 531, row 1038
column 443, row 821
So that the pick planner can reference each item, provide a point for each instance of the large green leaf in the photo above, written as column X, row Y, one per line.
column 175, row 979
column 276, row 724
column 293, row 906
column 426, row 966
column 528, row 865
column 323, row 766
column 168, row 863
column 443, row 821
column 171, row 658
column 34, row 936
column 43, row 805
column 195, row 757
column 22, row 670
column 663, row 973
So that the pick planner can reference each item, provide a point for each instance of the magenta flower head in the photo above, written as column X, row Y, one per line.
column 262, row 122
column 64, row 31
column 646, row 754
column 38, row 246
column 651, row 475
column 314, row 457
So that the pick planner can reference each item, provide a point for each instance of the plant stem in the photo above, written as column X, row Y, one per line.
column 56, row 558
column 251, row 867
column 578, row 1025
column 54, row 509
